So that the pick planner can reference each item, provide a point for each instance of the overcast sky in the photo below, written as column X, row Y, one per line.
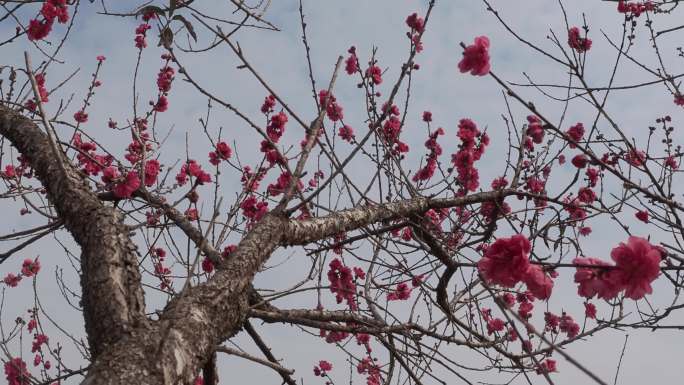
column 334, row 26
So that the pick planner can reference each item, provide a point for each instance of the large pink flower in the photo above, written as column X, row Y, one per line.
column 506, row 261
column 476, row 57
column 638, row 264
column 538, row 282
column 595, row 280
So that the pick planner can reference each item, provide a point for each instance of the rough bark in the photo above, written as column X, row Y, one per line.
column 112, row 296
column 194, row 323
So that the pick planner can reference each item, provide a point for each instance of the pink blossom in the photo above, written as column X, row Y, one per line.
column 576, row 42
column 590, row 310
column 595, row 277
column 207, row 265
column 538, row 282
column 476, row 57
column 375, row 74
column 346, row 133
column 38, row 30
column 11, row 280
column 402, row 292
column 642, row 216
column 126, row 188
column 151, row 172
column 586, row 195
column 580, row 161
column 351, row 64
column 415, row 22
column 162, row 104
column 547, row 366
column 569, row 326
column 16, row 372
column 575, row 133
column 342, row 284
column 495, row 325
column 638, row 264
column 679, row 100
column 30, row 267
column 506, row 261
column 535, row 129
column 81, row 116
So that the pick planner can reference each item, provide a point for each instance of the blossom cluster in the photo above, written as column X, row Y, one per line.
column 473, row 145
column 29, row 268
column 51, row 10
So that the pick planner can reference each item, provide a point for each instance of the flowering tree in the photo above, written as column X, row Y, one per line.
column 398, row 253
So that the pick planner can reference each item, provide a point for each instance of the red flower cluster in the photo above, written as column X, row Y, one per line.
column 51, row 10
column 391, row 129
column 506, row 263
column 193, row 169
column 415, row 22
column 428, row 170
column 253, row 209
column 493, row 324
column 151, row 172
column 575, row 133
column 139, row 142
column 91, row 162
column 274, row 130
column 368, row 367
column 81, row 116
column 140, row 33
column 401, row 293
column 250, row 180
column 637, row 264
column 468, row 154
column 223, row 152
column 635, row 9
column 535, row 129
column 375, row 74
column 16, row 372
column 342, row 283
column 590, row 310
column 165, row 78
column 321, row 369
column 476, row 57
column 162, row 272
column 636, row 158
column 281, row 185
column 417, row 25
column 576, row 42
column 642, row 216
column 268, row 105
column 30, row 267
column 42, row 91
column 346, row 133
column 38, row 340
column 547, row 366
column 586, row 195
column 329, row 102
column 678, row 99
column 11, row 280
column 351, row 64
column 123, row 187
